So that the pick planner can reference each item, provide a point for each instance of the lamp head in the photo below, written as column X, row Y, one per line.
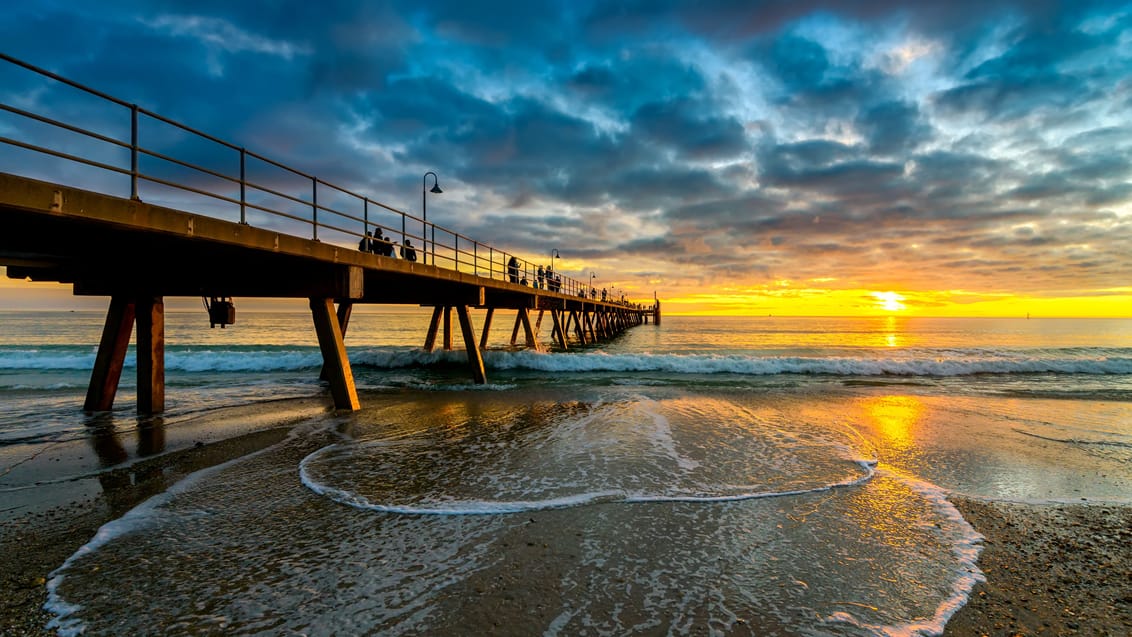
column 436, row 189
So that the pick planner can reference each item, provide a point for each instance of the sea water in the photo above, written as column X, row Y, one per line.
column 711, row 475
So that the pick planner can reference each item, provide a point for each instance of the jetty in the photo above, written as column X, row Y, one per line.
column 135, row 214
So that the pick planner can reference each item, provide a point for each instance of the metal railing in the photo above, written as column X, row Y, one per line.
column 319, row 207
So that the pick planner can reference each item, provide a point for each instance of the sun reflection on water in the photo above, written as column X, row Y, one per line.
column 895, row 418
column 892, row 337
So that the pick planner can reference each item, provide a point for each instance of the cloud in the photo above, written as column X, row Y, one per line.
column 220, row 34
column 722, row 142
column 894, row 127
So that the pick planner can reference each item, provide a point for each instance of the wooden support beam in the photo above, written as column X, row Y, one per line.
column 578, row 329
column 475, row 358
column 151, row 354
column 111, row 355
column 486, row 327
column 334, row 358
column 433, row 327
column 553, row 328
column 558, row 328
column 448, row 328
column 525, row 319
column 345, row 308
column 515, row 330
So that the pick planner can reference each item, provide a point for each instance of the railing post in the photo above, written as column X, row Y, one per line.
column 243, row 186
column 365, row 216
column 456, row 251
column 314, row 206
column 134, row 151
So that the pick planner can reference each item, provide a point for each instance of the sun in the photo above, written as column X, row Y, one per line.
column 889, row 301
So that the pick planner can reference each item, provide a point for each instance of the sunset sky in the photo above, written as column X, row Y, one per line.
column 736, row 157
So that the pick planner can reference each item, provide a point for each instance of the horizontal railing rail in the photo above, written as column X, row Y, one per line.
column 454, row 251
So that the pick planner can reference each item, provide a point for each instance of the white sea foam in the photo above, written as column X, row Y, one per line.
column 359, row 501
column 966, row 545
column 136, row 519
column 489, row 507
column 868, row 468
column 242, row 361
column 66, row 623
column 662, row 436
column 48, row 387
column 46, row 359
column 925, row 362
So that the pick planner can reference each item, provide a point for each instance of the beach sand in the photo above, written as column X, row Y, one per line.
column 1052, row 569
column 41, row 527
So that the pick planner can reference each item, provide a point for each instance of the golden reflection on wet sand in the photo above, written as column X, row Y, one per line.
column 895, row 418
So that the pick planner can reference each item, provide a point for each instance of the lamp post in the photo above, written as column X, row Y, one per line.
column 554, row 253
column 592, row 275
column 424, row 212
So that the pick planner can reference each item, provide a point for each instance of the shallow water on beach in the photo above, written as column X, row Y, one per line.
column 627, row 511
column 711, row 475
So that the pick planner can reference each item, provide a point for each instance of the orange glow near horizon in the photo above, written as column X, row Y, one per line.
column 1116, row 303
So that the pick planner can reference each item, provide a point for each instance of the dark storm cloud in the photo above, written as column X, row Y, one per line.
column 624, row 84
column 781, row 167
column 740, row 20
column 801, row 64
column 1041, row 69
column 893, row 127
column 687, row 128
column 810, row 84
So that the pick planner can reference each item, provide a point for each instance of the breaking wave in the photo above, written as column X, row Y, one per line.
column 909, row 363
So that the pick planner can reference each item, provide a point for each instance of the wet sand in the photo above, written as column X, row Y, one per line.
column 41, row 527
column 1051, row 569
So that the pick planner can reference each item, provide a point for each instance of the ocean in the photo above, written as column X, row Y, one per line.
column 711, row 475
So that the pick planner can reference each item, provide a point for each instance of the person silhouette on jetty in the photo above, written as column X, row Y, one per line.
column 408, row 253
column 513, row 270
column 365, row 244
column 384, row 245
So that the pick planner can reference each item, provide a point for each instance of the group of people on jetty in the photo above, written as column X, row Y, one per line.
column 545, row 277
column 386, row 247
